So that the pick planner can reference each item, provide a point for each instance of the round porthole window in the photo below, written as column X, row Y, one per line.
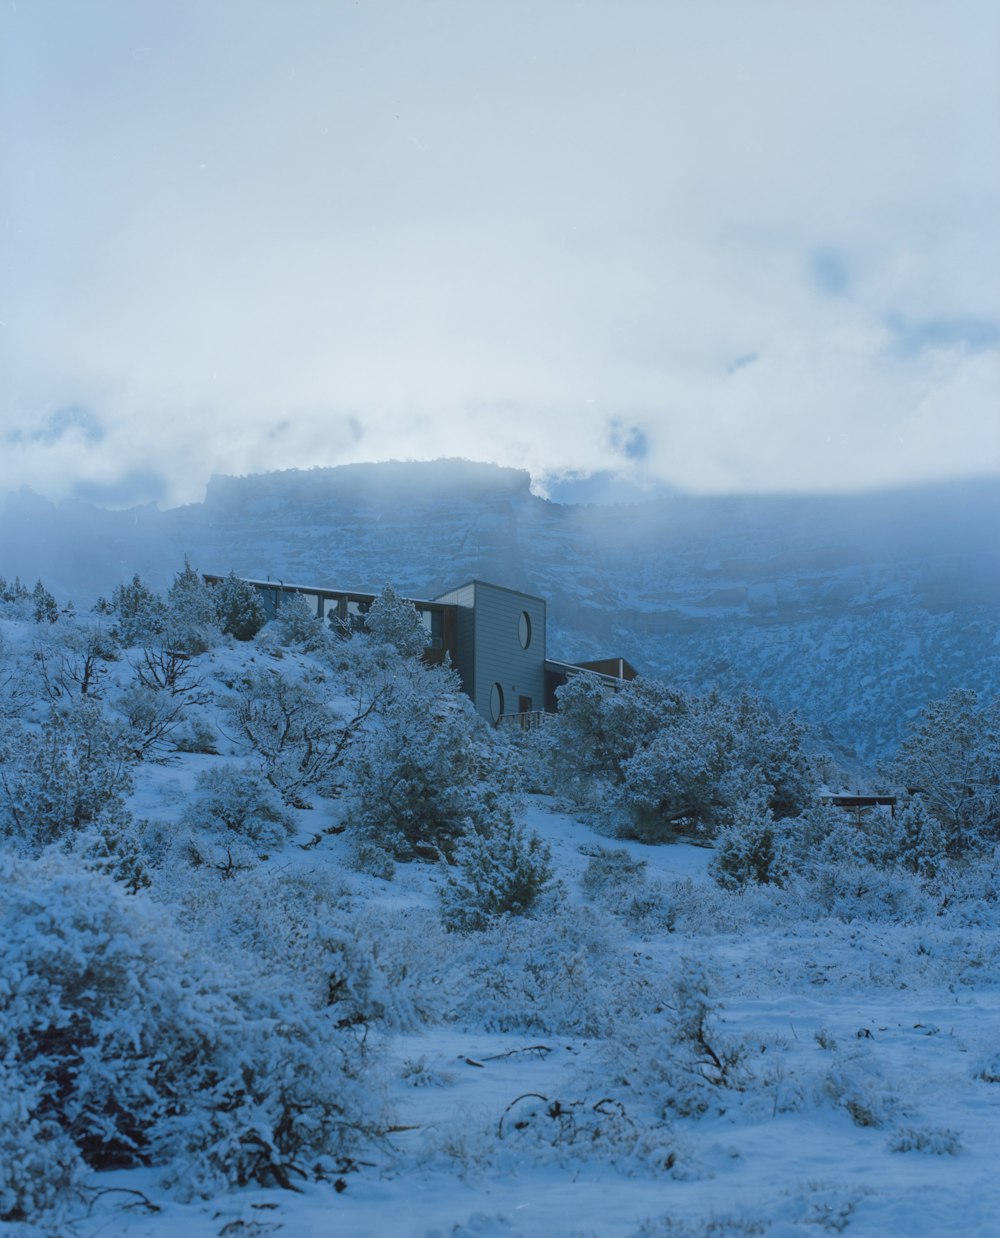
column 496, row 702
column 524, row 629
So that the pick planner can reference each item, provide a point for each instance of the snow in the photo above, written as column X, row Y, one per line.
column 537, row 1084
column 798, row 1172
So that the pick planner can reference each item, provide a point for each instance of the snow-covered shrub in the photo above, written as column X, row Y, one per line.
column 612, row 871
column 140, row 615
column 426, row 767
column 151, row 718
column 936, row 1140
column 565, row 972
column 75, row 661
column 16, row 692
column 678, row 1055
column 232, row 801
column 859, row 891
column 749, row 849
column 854, row 1082
column 653, row 760
column 548, row 1129
column 40, row 1167
column 296, row 624
column 239, row 610
column 143, row 1051
column 196, row 736
column 192, row 619
column 502, row 869
column 73, row 774
column 288, row 724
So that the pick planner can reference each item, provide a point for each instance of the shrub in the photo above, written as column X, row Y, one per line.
column 192, row 621
column 612, row 871
column 748, row 850
column 141, row 615
column 297, row 624
column 138, row 1050
column 234, row 801
column 502, row 870
column 426, row 767
column 73, row 774
column 238, row 608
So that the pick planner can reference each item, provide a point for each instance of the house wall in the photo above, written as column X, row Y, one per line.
column 464, row 649
column 499, row 658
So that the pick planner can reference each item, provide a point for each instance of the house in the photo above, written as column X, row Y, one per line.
column 493, row 635
column 859, row 805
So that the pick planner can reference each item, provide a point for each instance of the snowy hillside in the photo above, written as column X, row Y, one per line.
column 856, row 610
column 292, row 942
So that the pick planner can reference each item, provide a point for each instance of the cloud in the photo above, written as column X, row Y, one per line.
column 964, row 333
column 829, row 271
column 390, row 252
column 628, row 441
column 131, row 489
column 73, row 420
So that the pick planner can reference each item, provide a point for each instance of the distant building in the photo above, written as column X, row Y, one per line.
column 859, row 805
column 494, row 637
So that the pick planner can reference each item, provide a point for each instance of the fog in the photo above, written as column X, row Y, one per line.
column 725, row 247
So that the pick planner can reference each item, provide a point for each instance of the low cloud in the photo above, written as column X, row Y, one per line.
column 71, row 421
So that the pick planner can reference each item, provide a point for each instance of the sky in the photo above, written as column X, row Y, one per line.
column 725, row 246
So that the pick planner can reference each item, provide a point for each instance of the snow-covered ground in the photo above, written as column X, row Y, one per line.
column 864, row 1110
column 647, row 1057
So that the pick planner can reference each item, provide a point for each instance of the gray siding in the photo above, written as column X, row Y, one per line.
column 498, row 655
column 465, row 639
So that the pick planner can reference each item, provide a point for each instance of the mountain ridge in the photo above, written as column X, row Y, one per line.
column 856, row 610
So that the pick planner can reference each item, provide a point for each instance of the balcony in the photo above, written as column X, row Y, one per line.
column 530, row 720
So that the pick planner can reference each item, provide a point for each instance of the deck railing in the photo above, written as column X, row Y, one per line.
column 527, row 721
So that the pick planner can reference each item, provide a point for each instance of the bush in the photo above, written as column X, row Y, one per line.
column 297, row 624
column 137, row 1050
column 426, row 767
column 234, row 801
column 74, row 774
column 141, row 615
column 501, row 871
column 192, row 622
column 289, row 725
column 749, row 850
column 238, row 608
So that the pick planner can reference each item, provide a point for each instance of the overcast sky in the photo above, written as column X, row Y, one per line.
column 726, row 245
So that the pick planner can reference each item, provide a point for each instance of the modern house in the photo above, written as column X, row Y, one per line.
column 493, row 636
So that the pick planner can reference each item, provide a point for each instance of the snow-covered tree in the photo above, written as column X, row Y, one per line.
column 502, row 870
column 45, row 607
column 426, row 766
column 951, row 759
column 140, row 615
column 238, row 608
column 192, row 620
column 391, row 620
column 749, row 848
